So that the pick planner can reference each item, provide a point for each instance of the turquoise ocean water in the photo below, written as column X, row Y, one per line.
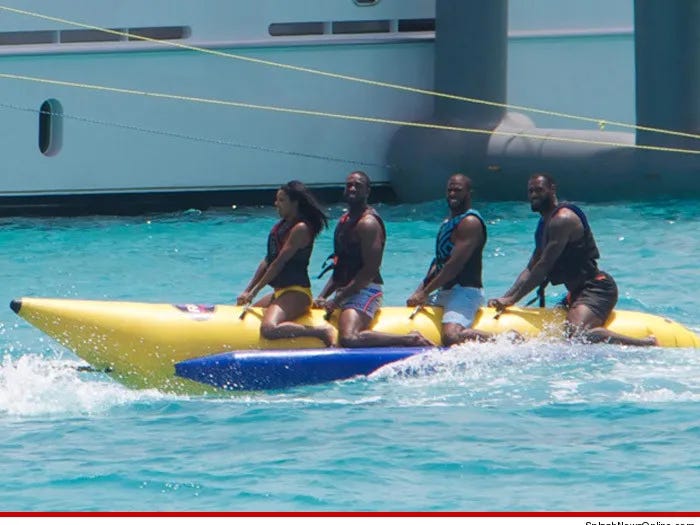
column 539, row 426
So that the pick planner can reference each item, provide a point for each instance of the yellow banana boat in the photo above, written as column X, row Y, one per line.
column 143, row 345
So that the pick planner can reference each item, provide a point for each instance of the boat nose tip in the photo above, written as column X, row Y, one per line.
column 16, row 304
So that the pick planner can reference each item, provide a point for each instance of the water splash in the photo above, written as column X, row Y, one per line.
column 542, row 372
column 32, row 385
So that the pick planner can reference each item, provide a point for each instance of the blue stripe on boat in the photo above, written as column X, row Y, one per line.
column 276, row 369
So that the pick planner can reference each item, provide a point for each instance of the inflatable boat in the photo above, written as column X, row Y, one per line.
column 199, row 348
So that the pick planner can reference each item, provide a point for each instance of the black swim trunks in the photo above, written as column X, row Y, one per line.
column 599, row 294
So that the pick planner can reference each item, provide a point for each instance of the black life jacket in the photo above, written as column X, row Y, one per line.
column 296, row 270
column 578, row 262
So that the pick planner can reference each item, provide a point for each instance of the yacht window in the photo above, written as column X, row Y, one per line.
column 20, row 38
column 296, row 29
column 416, row 24
column 74, row 36
column 361, row 26
column 160, row 33
column 50, row 127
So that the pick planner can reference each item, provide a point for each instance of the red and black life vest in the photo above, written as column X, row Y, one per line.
column 348, row 250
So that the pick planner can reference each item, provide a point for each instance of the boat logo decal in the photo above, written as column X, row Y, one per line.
column 198, row 312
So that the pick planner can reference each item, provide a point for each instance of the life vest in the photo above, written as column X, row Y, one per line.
column 470, row 274
column 577, row 263
column 295, row 272
column 347, row 257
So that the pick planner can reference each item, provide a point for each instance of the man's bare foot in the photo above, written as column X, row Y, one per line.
column 650, row 341
column 514, row 336
column 418, row 339
column 327, row 335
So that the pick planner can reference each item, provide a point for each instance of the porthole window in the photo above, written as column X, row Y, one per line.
column 50, row 127
column 366, row 2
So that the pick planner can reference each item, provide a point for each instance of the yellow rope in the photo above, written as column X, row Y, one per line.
column 358, row 118
column 601, row 123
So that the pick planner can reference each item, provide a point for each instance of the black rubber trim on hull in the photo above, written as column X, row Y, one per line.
column 150, row 202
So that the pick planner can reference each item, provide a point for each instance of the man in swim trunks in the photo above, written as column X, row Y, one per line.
column 359, row 247
column 566, row 253
column 455, row 273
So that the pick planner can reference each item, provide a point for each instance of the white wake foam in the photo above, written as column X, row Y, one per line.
column 32, row 385
column 540, row 372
